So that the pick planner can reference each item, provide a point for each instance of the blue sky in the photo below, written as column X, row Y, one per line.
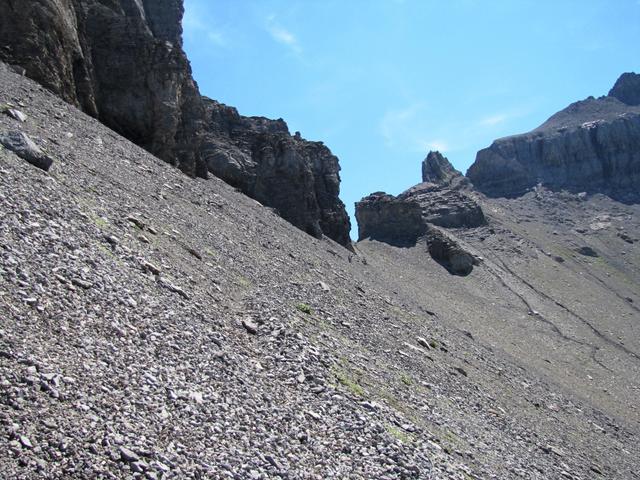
column 382, row 82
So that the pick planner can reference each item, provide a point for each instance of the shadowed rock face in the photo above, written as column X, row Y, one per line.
column 299, row 178
column 592, row 145
column 122, row 62
column 389, row 219
column 437, row 169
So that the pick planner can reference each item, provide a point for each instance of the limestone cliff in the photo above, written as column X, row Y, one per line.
column 592, row 145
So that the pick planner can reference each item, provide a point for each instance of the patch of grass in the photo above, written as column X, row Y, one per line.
column 108, row 251
column 243, row 282
column 406, row 379
column 100, row 222
column 399, row 434
column 304, row 308
column 434, row 344
column 343, row 377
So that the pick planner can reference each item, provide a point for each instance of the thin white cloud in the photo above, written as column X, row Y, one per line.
column 493, row 120
column 217, row 38
column 406, row 128
column 282, row 35
column 435, row 145
column 395, row 125
column 195, row 28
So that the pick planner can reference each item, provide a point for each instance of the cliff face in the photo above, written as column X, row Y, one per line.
column 592, row 145
column 627, row 89
column 299, row 178
column 122, row 62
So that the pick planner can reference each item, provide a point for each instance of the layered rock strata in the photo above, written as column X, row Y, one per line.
column 592, row 145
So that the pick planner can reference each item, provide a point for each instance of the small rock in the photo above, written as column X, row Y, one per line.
column 81, row 283
column 16, row 114
column 461, row 371
column 150, row 267
column 128, row 456
column 587, row 251
column 25, row 442
column 249, row 326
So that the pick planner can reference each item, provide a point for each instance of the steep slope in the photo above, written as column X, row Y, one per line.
column 160, row 325
column 592, row 145
column 122, row 62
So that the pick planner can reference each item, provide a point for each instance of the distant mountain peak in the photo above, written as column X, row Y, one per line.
column 627, row 88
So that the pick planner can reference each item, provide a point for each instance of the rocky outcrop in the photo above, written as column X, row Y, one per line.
column 445, row 207
column 447, row 251
column 592, row 145
column 441, row 199
column 122, row 62
column 299, row 178
column 438, row 170
column 388, row 219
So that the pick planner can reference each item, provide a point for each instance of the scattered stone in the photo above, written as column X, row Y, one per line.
column 150, row 267
column 16, row 114
column 127, row 455
column 137, row 222
column 82, row 283
column 250, row 326
column 25, row 442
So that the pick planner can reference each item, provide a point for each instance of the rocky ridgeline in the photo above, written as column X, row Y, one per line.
column 122, row 62
column 261, row 158
column 592, row 145
column 441, row 200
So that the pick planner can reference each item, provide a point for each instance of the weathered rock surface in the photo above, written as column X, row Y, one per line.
column 299, row 178
column 386, row 218
column 592, row 145
column 448, row 251
column 627, row 89
column 122, row 62
column 440, row 200
column 437, row 169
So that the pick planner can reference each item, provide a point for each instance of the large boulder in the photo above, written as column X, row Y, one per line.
column 20, row 144
column 388, row 219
